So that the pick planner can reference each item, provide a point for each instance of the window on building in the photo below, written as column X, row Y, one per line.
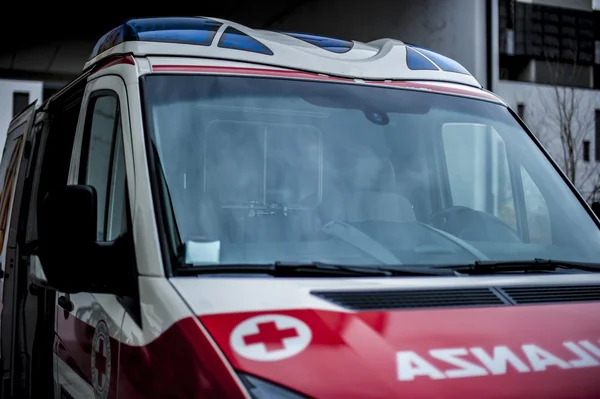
column 20, row 102
column 521, row 111
column 586, row 151
column 537, row 39
column 597, row 138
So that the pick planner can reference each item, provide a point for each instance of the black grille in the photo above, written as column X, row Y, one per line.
column 411, row 299
column 552, row 294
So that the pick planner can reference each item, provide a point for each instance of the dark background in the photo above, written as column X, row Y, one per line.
column 28, row 24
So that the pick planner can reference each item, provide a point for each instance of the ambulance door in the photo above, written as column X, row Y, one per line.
column 12, row 173
column 88, row 325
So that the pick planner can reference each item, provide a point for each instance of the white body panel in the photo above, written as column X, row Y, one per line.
column 388, row 63
column 208, row 296
column 165, row 302
column 379, row 60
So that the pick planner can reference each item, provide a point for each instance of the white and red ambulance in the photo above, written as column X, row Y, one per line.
column 212, row 211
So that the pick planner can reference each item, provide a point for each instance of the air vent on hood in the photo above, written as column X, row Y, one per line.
column 527, row 295
column 411, row 299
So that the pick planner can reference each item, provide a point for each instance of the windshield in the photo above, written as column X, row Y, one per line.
column 257, row 170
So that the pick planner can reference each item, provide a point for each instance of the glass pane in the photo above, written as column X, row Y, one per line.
column 258, row 168
column 478, row 170
column 235, row 161
column 538, row 217
column 20, row 102
column 98, row 167
column 117, row 221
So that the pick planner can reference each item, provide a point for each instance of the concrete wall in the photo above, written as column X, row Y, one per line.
column 455, row 28
column 541, row 111
column 7, row 88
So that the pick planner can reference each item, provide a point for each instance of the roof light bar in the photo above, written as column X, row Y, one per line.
column 186, row 30
column 327, row 43
column 275, row 50
column 418, row 62
column 443, row 62
column 236, row 40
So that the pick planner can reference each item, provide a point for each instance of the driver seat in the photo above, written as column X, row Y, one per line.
column 373, row 195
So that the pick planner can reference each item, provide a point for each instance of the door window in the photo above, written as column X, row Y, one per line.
column 8, row 175
column 538, row 216
column 105, row 166
column 478, row 170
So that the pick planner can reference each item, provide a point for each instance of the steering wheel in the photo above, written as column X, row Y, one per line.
column 469, row 224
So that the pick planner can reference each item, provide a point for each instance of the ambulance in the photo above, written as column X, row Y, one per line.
column 214, row 211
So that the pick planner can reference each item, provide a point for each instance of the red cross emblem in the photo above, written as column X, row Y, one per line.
column 101, row 360
column 270, row 337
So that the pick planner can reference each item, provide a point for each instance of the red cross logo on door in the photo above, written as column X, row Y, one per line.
column 101, row 361
column 270, row 337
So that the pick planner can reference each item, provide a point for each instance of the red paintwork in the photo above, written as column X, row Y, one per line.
column 244, row 71
column 353, row 355
column 73, row 344
column 441, row 89
column 437, row 88
column 111, row 61
column 180, row 363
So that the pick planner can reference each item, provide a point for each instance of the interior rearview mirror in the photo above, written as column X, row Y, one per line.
column 72, row 258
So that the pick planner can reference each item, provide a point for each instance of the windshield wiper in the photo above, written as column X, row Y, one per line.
column 316, row 269
column 534, row 265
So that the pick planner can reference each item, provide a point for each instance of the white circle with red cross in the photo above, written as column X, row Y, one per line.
column 270, row 337
column 101, row 361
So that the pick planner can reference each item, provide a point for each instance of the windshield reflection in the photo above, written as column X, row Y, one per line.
column 260, row 170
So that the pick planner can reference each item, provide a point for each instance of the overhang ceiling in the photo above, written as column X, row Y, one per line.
column 53, row 46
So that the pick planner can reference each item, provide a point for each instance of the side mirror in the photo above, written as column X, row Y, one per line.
column 71, row 257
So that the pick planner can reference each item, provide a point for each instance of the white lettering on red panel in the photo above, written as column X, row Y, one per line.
column 475, row 362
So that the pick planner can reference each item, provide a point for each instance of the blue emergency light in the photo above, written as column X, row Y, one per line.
column 419, row 58
column 417, row 62
column 198, row 31
column 327, row 43
column 234, row 39
column 201, row 31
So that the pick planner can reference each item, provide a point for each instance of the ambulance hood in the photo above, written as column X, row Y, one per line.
column 310, row 337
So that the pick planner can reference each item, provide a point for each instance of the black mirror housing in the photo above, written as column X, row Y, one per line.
column 72, row 212
column 71, row 257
